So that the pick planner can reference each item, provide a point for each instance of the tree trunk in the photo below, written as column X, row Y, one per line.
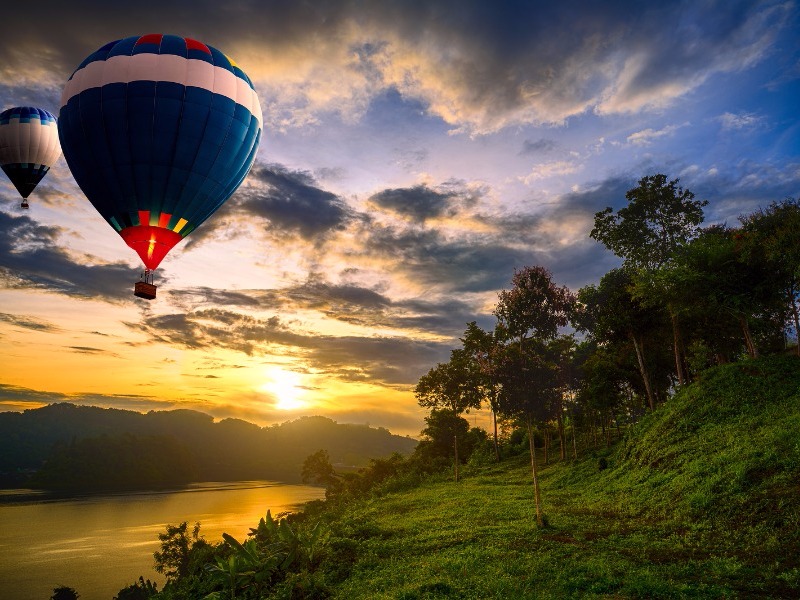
column 455, row 447
column 574, row 435
column 796, row 316
column 546, row 445
column 643, row 372
column 496, row 443
column 537, row 496
column 748, row 338
column 676, row 343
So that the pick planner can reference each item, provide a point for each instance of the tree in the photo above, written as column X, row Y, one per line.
column 317, row 468
column 610, row 314
column 529, row 315
column 483, row 348
column 711, row 281
column 660, row 218
column 141, row 590
column 443, row 426
column 772, row 237
column 454, row 385
column 529, row 390
column 176, row 544
column 534, row 306
column 63, row 592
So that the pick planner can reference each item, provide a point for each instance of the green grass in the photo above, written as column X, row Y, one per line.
column 700, row 500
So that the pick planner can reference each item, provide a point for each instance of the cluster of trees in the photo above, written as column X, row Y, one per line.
column 123, row 462
column 684, row 298
column 67, row 446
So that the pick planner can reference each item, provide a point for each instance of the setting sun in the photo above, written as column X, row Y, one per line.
column 286, row 387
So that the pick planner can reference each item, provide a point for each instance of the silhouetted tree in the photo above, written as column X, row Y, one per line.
column 63, row 592
column 173, row 558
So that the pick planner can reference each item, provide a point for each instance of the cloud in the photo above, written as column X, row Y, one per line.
column 540, row 146
column 731, row 121
column 645, row 137
column 552, row 169
column 14, row 397
column 493, row 66
column 418, row 203
column 29, row 323
column 30, row 258
column 391, row 360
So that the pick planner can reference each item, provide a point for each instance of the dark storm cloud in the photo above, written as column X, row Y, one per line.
column 368, row 308
column 31, row 258
column 466, row 264
column 418, row 203
column 292, row 202
column 500, row 63
column 288, row 202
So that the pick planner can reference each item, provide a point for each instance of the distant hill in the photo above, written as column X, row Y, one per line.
column 79, row 443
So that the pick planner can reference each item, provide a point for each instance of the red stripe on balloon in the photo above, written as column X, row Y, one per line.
column 195, row 45
column 150, row 38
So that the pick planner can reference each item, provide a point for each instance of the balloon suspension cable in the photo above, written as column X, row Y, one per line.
column 147, row 276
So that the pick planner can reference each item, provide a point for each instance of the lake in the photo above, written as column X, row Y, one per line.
column 100, row 544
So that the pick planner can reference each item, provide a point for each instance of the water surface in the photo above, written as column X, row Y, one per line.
column 99, row 544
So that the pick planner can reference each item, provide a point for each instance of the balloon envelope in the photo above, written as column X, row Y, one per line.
column 28, row 146
column 158, row 131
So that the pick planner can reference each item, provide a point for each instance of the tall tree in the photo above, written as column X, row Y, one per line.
column 711, row 282
column 529, row 315
column 610, row 314
column 483, row 348
column 771, row 237
column 660, row 218
column 452, row 387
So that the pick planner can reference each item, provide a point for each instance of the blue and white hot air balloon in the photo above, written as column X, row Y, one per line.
column 28, row 146
column 158, row 131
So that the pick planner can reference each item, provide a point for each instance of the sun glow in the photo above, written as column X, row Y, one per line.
column 286, row 387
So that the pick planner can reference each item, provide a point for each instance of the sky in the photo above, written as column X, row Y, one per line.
column 414, row 155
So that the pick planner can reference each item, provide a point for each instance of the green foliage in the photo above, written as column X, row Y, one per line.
column 317, row 468
column 141, row 590
column 659, row 218
column 173, row 558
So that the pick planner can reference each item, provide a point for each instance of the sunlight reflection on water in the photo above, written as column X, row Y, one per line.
column 99, row 544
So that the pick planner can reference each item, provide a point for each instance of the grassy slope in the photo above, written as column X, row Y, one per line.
column 700, row 500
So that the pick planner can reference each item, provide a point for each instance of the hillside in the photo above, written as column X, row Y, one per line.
column 699, row 500
column 68, row 435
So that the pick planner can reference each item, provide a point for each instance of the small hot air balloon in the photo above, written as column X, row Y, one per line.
column 158, row 131
column 28, row 147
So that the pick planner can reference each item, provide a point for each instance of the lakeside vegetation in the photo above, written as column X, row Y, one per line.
column 698, row 500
